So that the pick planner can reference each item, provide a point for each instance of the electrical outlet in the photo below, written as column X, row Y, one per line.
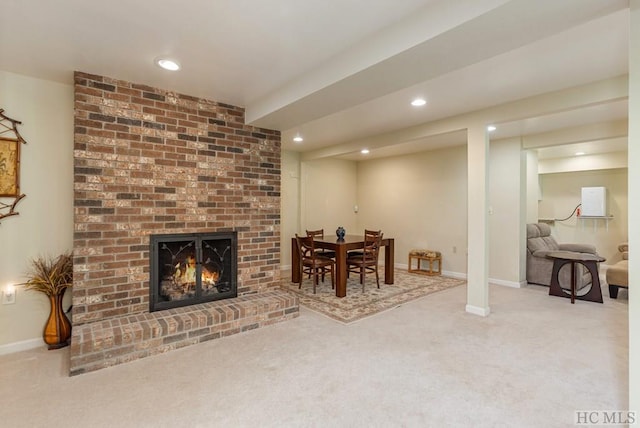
column 9, row 296
column 455, row 249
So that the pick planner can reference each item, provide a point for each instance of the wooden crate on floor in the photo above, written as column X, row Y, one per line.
column 428, row 256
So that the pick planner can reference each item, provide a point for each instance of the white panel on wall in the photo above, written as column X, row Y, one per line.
column 594, row 201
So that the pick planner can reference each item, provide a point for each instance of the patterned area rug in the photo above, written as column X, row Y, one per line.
column 358, row 305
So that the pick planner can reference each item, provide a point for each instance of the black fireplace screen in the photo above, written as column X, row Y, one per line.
column 187, row 269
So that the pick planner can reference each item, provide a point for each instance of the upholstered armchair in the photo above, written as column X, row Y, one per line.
column 539, row 244
column 618, row 274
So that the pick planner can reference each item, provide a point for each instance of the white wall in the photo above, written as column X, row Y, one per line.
column 562, row 192
column 45, row 223
column 420, row 200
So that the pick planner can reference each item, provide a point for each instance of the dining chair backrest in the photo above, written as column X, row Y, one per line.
column 366, row 261
column 372, row 243
column 372, row 233
column 319, row 234
column 306, row 247
column 316, row 233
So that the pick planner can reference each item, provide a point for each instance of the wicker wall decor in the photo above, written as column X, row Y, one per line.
column 10, row 142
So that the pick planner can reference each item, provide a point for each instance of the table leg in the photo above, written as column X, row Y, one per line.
column 341, row 271
column 389, row 262
column 573, row 282
column 554, row 287
column 595, row 293
column 295, row 262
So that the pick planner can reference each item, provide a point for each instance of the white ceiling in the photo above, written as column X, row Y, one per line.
column 595, row 147
column 337, row 72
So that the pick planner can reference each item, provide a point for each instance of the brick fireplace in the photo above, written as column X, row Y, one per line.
column 191, row 268
column 147, row 162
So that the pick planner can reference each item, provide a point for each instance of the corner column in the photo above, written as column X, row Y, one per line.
column 634, row 206
column 478, row 220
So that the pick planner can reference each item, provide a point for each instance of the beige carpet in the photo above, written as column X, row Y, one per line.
column 358, row 305
column 531, row 363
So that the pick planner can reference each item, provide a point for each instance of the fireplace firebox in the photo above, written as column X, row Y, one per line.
column 187, row 269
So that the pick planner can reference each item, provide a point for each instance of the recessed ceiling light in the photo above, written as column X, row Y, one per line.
column 491, row 128
column 298, row 139
column 364, row 151
column 580, row 153
column 418, row 102
column 168, row 64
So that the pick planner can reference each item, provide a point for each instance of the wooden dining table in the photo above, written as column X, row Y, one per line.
column 349, row 243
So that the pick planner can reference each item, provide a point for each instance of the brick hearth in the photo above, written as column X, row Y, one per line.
column 150, row 161
column 124, row 339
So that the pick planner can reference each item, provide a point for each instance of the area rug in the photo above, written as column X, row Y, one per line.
column 358, row 305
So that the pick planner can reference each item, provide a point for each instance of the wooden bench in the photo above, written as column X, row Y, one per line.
column 425, row 255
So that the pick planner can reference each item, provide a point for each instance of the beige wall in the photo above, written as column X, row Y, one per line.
column 634, row 205
column 290, row 206
column 506, row 219
column 420, row 200
column 424, row 205
column 328, row 195
column 562, row 192
column 533, row 186
column 319, row 194
column 45, row 223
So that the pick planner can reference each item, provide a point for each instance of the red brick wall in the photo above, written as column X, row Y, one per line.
column 150, row 161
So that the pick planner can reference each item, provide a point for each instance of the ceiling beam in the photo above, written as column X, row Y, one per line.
column 604, row 91
column 578, row 134
column 417, row 50
column 339, row 83
column 598, row 161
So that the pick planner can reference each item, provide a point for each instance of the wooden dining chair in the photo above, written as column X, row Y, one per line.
column 314, row 264
column 367, row 261
column 367, row 233
column 322, row 251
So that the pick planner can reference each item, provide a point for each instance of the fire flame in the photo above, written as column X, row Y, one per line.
column 185, row 274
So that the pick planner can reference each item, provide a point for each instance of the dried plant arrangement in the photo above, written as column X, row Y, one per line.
column 50, row 275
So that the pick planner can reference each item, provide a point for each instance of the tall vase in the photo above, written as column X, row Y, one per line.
column 57, row 330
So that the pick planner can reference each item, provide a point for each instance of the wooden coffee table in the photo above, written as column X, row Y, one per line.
column 590, row 261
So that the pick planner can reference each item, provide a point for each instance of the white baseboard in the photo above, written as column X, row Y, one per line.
column 475, row 310
column 504, row 283
column 460, row 275
column 457, row 275
column 24, row 345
